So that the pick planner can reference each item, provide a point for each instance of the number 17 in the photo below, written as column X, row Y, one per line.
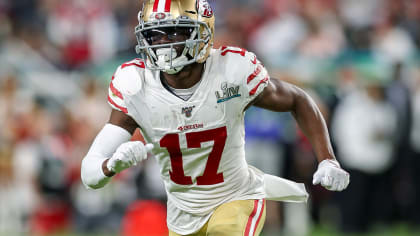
column 194, row 140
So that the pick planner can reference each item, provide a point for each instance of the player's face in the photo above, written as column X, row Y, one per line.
column 168, row 35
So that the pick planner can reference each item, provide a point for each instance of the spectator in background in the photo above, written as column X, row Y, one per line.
column 415, row 146
column 125, row 17
column 235, row 30
column 346, row 81
column 281, row 34
column 19, row 155
column 14, row 103
column 10, row 214
column 359, row 14
column 92, row 105
column 325, row 36
column 392, row 43
column 411, row 20
column 358, row 17
column 85, row 31
column 399, row 96
column 363, row 128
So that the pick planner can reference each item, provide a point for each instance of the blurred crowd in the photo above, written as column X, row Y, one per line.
column 358, row 59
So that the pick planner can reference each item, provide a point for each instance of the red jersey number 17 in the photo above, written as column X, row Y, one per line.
column 194, row 140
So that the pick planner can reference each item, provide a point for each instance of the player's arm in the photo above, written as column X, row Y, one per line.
column 119, row 119
column 111, row 151
column 281, row 96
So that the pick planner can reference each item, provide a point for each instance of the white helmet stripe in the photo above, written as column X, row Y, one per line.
column 161, row 5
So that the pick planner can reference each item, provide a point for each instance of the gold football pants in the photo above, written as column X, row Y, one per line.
column 237, row 218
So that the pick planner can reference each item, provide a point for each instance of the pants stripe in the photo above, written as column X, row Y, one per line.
column 253, row 219
column 259, row 217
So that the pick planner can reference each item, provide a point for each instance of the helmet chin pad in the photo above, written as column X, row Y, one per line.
column 168, row 60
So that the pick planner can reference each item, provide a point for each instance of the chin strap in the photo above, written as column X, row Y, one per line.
column 164, row 60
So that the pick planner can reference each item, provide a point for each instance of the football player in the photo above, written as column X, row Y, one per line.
column 189, row 101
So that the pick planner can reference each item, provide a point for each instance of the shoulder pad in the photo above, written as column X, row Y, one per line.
column 242, row 64
column 239, row 58
column 129, row 76
column 126, row 81
column 243, row 67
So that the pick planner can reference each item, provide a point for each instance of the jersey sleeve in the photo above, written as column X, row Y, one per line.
column 115, row 96
column 244, row 69
column 123, row 83
column 256, row 77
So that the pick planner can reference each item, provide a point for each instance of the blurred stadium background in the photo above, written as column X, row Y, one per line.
column 359, row 59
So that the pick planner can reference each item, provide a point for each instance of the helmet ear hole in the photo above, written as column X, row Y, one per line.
column 140, row 16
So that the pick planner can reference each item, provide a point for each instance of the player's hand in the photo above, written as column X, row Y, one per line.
column 127, row 155
column 331, row 176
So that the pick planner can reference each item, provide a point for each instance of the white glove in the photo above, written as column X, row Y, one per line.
column 331, row 176
column 128, row 154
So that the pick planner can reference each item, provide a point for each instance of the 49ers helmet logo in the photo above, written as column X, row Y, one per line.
column 204, row 8
column 160, row 15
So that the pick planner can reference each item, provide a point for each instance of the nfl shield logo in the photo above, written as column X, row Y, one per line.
column 187, row 111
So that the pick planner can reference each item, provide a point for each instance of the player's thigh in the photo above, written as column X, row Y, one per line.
column 171, row 233
column 237, row 218
column 201, row 232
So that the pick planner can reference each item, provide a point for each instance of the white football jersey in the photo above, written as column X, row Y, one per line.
column 199, row 143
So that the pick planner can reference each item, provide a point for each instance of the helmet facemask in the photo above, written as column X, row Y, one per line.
column 172, row 57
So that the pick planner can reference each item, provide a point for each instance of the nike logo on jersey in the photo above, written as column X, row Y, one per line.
column 227, row 93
